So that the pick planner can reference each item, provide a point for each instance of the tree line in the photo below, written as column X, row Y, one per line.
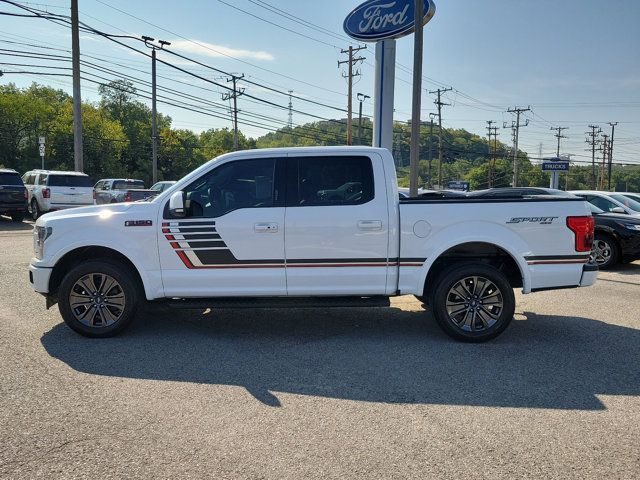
column 117, row 142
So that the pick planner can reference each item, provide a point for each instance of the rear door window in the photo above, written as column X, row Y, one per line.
column 69, row 181
column 333, row 181
column 12, row 179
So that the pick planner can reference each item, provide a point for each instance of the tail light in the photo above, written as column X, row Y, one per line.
column 127, row 197
column 94, row 194
column 46, row 193
column 583, row 228
column 26, row 194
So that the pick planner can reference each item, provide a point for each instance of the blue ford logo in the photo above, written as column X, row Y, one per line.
column 379, row 19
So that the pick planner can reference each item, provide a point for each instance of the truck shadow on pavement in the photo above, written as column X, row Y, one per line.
column 373, row 355
column 8, row 225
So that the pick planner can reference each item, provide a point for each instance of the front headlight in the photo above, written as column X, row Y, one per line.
column 40, row 235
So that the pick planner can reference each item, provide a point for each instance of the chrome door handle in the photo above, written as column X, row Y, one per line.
column 265, row 227
column 370, row 225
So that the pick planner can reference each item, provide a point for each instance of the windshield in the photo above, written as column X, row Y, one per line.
column 594, row 209
column 128, row 185
column 12, row 179
column 626, row 201
column 69, row 181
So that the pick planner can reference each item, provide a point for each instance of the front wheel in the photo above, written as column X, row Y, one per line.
column 98, row 298
column 473, row 302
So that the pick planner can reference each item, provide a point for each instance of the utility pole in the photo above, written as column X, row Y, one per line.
column 416, row 103
column 154, row 112
column 439, row 103
column 361, row 98
column 234, row 95
column 431, row 117
column 290, row 120
column 613, row 129
column 593, row 141
column 77, row 100
column 349, row 76
column 518, row 112
column 605, row 151
column 559, row 136
column 492, row 131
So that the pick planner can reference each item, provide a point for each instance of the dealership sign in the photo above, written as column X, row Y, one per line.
column 555, row 166
column 383, row 19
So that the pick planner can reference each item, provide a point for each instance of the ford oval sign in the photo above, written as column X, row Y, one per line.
column 380, row 19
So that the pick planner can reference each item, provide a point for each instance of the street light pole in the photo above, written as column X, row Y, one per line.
column 154, row 114
column 361, row 98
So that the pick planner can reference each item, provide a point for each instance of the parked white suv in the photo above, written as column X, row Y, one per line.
column 51, row 190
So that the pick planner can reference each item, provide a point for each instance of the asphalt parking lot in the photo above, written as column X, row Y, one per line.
column 362, row 393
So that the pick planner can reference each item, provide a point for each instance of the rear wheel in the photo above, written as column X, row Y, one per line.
column 473, row 302
column 605, row 251
column 98, row 298
column 35, row 209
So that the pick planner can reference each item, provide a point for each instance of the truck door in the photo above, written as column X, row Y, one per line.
column 336, row 226
column 232, row 241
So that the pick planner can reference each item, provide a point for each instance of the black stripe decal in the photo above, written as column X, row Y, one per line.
column 208, row 244
column 194, row 230
column 192, row 224
column 198, row 237
column 225, row 257
column 557, row 257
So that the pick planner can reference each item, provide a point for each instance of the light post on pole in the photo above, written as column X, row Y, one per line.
column 154, row 122
column 431, row 117
column 361, row 98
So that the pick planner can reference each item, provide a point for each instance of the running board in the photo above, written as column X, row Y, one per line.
column 279, row 302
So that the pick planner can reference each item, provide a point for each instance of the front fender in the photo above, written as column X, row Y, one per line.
column 139, row 246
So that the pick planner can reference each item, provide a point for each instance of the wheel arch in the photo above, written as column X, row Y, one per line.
column 78, row 255
column 485, row 252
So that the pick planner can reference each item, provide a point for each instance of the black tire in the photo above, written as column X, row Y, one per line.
column 35, row 209
column 469, row 318
column 17, row 217
column 605, row 252
column 99, row 326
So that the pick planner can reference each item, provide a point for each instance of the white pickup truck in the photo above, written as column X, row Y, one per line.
column 309, row 227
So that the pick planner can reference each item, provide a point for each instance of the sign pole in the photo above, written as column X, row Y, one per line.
column 416, row 103
column 383, row 97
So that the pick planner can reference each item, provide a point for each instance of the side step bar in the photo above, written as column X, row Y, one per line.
column 279, row 302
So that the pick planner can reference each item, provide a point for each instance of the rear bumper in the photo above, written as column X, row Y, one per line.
column 589, row 275
column 13, row 207
column 39, row 278
column 51, row 207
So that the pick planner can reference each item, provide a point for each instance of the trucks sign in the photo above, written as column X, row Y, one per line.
column 561, row 166
column 383, row 19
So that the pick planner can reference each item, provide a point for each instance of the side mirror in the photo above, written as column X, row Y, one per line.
column 176, row 205
column 618, row 210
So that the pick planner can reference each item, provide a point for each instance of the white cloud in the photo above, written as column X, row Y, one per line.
column 211, row 50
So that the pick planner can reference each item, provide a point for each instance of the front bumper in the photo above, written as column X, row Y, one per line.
column 589, row 275
column 39, row 278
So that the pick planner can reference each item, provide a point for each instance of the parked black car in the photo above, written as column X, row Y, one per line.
column 617, row 238
column 13, row 195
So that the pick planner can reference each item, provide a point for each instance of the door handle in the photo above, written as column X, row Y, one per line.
column 265, row 227
column 369, row 225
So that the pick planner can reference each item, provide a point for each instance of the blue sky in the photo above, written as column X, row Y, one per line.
column 575, row 62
